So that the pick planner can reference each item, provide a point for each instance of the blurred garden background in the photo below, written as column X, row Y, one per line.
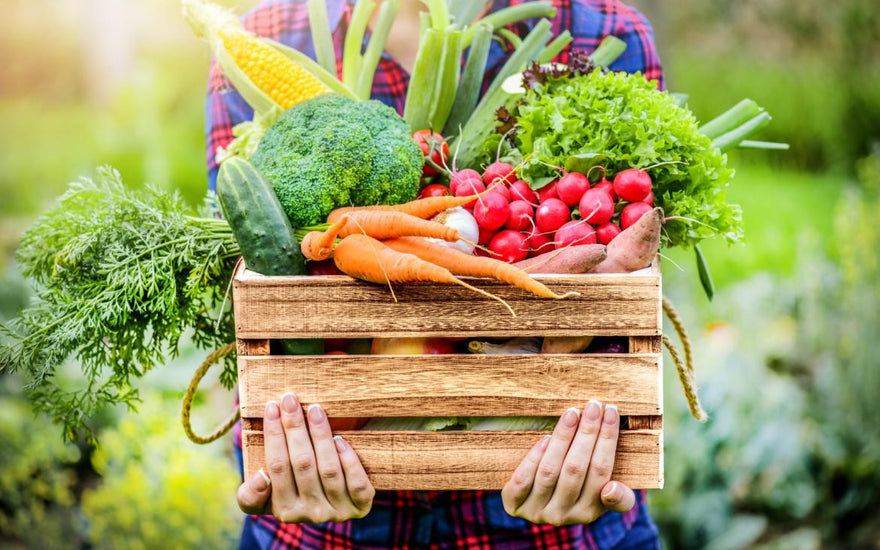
column 786, row 353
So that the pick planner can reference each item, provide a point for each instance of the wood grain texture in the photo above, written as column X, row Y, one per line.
column 470, row 460
column 453, row 385
column 342, row 307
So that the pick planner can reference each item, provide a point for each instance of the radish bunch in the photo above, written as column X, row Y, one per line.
column 517, row 222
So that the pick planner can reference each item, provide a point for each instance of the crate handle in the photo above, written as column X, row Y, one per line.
column 686, row 367
column 186, row 410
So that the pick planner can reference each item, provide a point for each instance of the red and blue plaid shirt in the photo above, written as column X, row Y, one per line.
column 439, row 520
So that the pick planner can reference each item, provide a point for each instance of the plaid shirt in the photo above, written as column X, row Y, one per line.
column 438, row 520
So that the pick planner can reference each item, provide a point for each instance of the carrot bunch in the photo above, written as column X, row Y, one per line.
column 386, row 244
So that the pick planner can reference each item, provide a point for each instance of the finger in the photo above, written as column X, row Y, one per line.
column 551, row 462
column 617, row 497
column 359, row 487
column 577, row 461
column 254, row 493
column 329, row 468
column 602, row 462
column 517, row 489
column 299, row 445
column 277, row 457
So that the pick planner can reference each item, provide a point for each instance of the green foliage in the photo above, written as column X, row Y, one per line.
column 37, row 477
column 158, row 490
column 624, row 120
column 123, row 276
column 333, row 151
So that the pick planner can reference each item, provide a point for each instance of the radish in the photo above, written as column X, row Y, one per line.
column 632, row 184
column 574, row 233
column 649, row 200
column 632, row 212
column 491, row 211
column 606, row 232
column 521, row 215
column 596, row 206
column 509, row 246
column 464, row 175
column 485, row 236
column 572, row 187
column 520, row 190
column 539, row 244
column 468, row 188
column 608, row 186
column 501, row 190
column 551, row 214
column 548, row 192
column 500, row 170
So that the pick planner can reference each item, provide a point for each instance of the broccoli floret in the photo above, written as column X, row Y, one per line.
column 333, row 151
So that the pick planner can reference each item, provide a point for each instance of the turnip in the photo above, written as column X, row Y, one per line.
column 606, row 232
column 596, row 206
column 521, row 215
column 572, row 187
column 632, row 212
column 500, row 170
column 464, row 175
column 632, row 184
column 572, row 233
column 548, row 192
column 509, row 246
column 491, row 211
column 520, row 190
column 551, row 214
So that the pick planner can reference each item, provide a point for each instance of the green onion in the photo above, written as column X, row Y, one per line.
column 325, row 53
column 439, row 13
column 554, row 48
column 705, row 276
column 531, row 47
column 731, row 139
column 767, row 145
column 464, row 11
column 513, row 14
column 354, row 41
column 471, row 80
column 608, row 51
column 732, row 118
column 446, row 80
column 371, row 58
column 511, row 37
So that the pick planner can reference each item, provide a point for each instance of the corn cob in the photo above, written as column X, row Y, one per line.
column 261, row 73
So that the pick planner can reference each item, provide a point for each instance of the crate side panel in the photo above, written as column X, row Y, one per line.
column 453, row 385
column 470, row 460
column 341, row 307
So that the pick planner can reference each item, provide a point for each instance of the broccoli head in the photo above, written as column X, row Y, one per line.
column 333, row 151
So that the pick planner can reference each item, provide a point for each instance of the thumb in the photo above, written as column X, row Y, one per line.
column 254, row 493
column 617, row 497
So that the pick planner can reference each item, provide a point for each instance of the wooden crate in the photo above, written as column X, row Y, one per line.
column 454, row 385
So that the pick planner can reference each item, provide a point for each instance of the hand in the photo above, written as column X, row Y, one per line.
column 315, row 477
column 566, row 477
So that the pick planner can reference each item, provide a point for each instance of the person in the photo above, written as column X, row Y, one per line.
column 315, row 493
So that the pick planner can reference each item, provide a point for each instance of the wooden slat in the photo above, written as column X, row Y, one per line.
column 453, row 385
column 470, row 460
column 342, row 307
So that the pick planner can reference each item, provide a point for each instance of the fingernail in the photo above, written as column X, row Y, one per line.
column 266, row 481
column 316, row 413
column 341, row 446
column 288, row 401
column 571, row 417
column 611, row 415
column 611, row 494
column 593, row 410
column 543, row 443
column 272, row 410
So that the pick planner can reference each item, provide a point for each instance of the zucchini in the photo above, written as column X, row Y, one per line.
column 258, row 221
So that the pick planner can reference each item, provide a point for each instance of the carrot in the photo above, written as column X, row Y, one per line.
column 422, row 208
column 571, row 259
column 475, row 266
column 635, row 247
column 365, row 258
column 318, row 245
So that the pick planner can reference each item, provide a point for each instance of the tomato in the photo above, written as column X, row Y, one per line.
column 434, row 190
column 427, row 138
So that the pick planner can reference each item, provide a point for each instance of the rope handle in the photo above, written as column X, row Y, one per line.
column 190, row 393
column 686, row 367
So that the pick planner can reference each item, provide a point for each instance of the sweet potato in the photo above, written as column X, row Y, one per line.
column 635, row 247
column 565, row 344
column 571, row 259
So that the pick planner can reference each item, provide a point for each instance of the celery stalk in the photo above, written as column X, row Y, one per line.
column 439, row 13
column 731, row 139
column 732, row 118
column 322, row 39
column 471, row 80
column 371, row 58
column 419, row 97
column 513, row 14
column 352, row 59
column 608, row 51
column 447, row 80
column 479, row 126
column 554, row 48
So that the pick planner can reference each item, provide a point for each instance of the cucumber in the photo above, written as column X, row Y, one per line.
column 258, row 221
